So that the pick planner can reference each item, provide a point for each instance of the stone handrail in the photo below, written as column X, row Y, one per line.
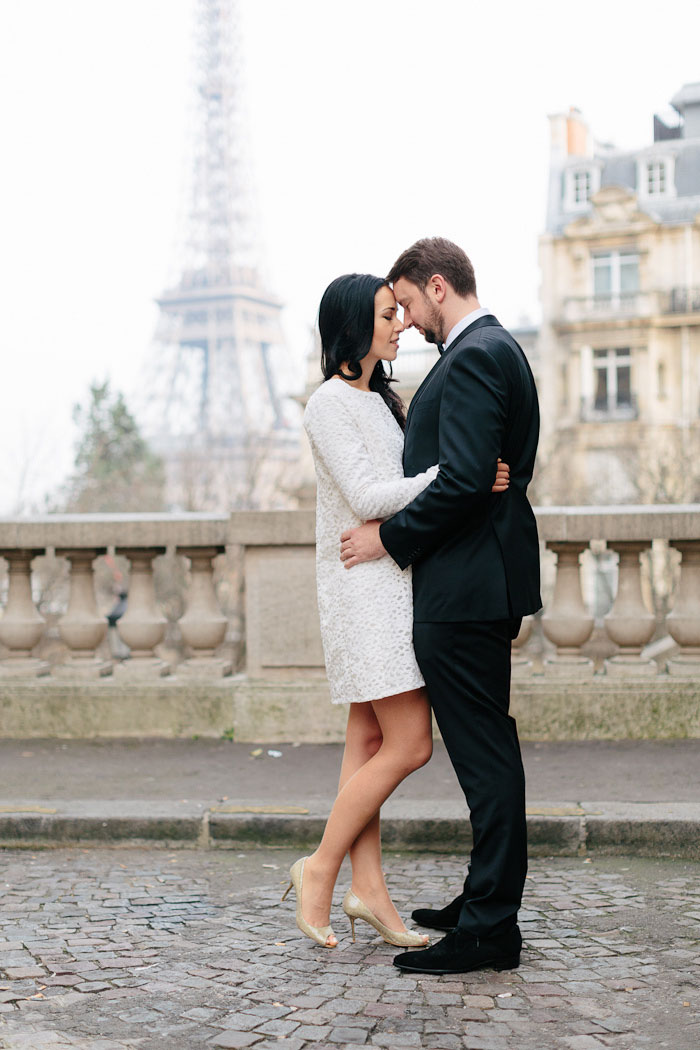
column 81, row 539
column 628, row 531
column 281, row 620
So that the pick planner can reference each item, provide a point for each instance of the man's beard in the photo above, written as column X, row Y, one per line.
column 433, row 328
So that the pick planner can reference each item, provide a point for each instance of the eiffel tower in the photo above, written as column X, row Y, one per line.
column 220, row 421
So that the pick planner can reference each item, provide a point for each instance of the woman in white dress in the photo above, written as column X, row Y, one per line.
column 354, row 422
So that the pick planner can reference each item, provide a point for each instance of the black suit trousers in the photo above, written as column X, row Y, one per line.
column 466, row 667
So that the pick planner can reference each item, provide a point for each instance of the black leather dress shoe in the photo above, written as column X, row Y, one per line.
column 439, row 918
column 460, row 952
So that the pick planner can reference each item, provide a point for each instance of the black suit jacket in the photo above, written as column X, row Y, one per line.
column 475, row 554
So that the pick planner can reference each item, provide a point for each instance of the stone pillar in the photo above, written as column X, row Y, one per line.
column 21, row 625
column 520, row 663
column 142, row 626
column 629, row 623
column 567, row 622
column 683, row 621
column 81, row 627
column 203, row 625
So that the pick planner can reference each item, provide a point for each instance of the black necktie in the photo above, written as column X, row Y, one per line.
column 441, row 348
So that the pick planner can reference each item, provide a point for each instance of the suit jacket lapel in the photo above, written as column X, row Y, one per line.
column 487, row 321
column 481, row 322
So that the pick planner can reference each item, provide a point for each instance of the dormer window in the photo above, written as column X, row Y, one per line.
column 579, row 186
column 655, row 177
column 582, row 187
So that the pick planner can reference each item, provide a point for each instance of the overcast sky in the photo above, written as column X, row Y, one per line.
column 371, row 124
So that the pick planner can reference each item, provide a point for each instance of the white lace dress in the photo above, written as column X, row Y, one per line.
column 366, row 612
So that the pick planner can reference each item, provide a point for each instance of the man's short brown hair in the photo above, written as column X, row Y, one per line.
column 433, row 255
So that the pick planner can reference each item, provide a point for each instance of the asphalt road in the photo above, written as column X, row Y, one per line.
column 625, row 771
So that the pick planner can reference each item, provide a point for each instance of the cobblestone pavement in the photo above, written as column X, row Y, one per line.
column 107, row 950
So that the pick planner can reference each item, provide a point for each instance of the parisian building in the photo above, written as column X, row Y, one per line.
column 618, row 353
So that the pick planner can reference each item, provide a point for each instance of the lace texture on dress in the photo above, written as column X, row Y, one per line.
column 366, row 612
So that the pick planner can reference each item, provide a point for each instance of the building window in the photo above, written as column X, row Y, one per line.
column 655, row 177
column 579, row 186
column 582, row 187
column 196, row 317
column 615, row 277
column 612, row 383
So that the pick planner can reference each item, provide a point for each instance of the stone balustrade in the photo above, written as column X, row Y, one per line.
column 629, row 532
column 279, row 692
column 81, row 540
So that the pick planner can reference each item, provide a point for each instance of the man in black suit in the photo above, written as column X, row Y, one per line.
column 475, row 559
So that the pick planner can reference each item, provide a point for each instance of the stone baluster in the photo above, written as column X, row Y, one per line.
column 683, row 622
column 519, row 662
column 567, row 622
column 203, row 625
column 629, row 623
column 81, row 627
column 142, row 627
column 21, row 625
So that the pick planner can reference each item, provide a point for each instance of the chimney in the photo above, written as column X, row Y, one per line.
column 578, row 137
column 569, row 136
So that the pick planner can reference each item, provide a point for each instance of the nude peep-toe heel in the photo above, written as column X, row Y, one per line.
column 355, row 909
column 320, row 934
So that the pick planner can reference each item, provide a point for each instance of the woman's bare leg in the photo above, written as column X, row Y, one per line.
column 362, row 741
column 404, row 721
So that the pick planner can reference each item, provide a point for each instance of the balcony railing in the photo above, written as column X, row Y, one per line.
column 596, row 308
column 82, row 540
column 281, row 625
column 681, row 300
column 610, row 411
column 629, row 532
column 577, row 309
column 279, row 691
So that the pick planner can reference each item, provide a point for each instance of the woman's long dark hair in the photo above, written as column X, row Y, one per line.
column 346, row 324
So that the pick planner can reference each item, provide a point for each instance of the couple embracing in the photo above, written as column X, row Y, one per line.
column 427, row 559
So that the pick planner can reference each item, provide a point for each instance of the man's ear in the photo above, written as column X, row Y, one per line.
column 438, row 287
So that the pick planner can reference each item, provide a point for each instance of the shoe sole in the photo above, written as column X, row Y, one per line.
column 433, row 925
column 510, row 963
column 442, row 929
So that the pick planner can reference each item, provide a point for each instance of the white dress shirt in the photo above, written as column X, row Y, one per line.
column 465, row 322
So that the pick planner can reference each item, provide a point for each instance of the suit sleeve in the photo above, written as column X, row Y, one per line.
column 472, row 418
column 337, row 440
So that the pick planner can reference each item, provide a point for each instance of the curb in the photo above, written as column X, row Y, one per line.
column 563, row 829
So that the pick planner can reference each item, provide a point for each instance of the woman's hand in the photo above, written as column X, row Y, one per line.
column 502, row 477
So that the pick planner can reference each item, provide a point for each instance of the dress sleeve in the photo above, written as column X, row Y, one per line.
column 336, row 438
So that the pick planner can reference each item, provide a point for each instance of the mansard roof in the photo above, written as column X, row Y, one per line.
column 625, row 168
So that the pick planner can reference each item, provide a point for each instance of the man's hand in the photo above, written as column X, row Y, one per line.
column 361, row 544
column 502, row 477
